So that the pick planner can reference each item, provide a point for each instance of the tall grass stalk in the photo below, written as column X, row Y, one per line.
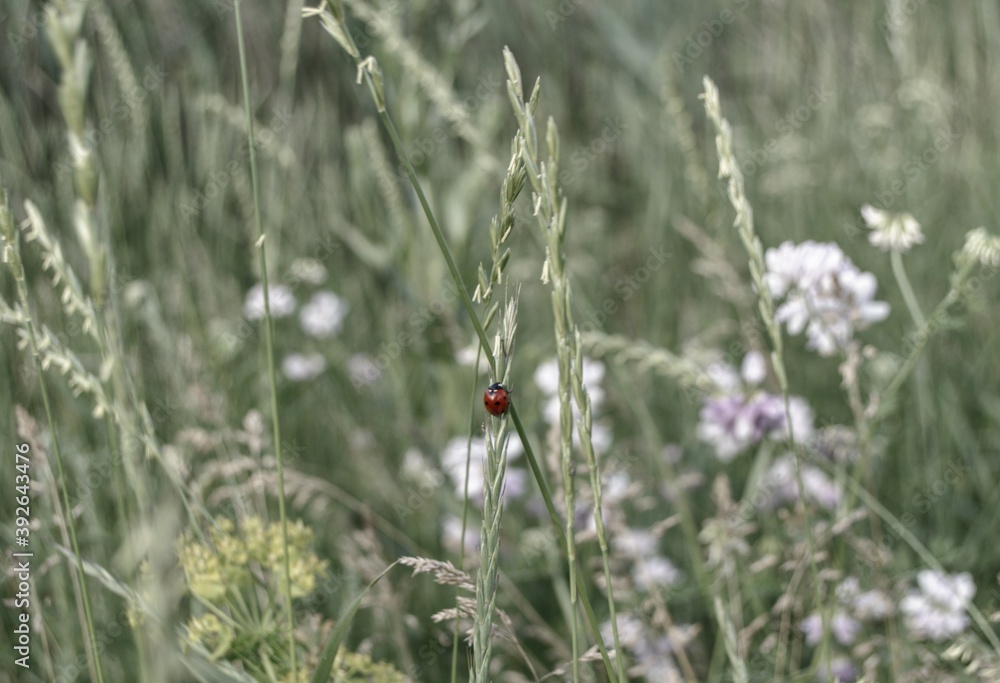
column 500, row 229
column 101, row 309
column 269, row 336
column 331, row 15
column 730, row 169
column 13, row 252
column 550, row 209
column 494, row 469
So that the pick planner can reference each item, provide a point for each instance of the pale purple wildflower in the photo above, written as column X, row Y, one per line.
column 841, row 668
column 741, row 415
column 824, row 294
column 937, row 611
column 731, row 424
column 843, row 626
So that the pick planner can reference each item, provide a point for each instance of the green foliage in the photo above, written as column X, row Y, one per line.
column 128, row 196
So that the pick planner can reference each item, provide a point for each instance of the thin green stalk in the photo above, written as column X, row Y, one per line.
column 729, row 168
column 495, row 467
column 269, row 335
column 896, row 259
column 438, row 235
column 484, row 344
column 551, row 209
column 332, row 19
column 923, row 335
column 17, row 269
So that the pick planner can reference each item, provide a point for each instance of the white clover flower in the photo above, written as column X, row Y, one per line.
column 937, row 611
column 825, row 294
column 891, row 231
column 981, row 246
column 302, row 367
column 323, row 315
column 279, row 296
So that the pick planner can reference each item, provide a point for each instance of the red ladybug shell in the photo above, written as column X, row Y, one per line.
column 496, row 399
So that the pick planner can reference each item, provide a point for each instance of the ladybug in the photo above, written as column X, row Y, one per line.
column 496, row 399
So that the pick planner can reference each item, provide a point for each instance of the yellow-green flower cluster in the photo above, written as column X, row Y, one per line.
column 354, row 667
column 222, row 569
column 212, row 633
column 213, row 568
column 203, row 569
column 303, row 566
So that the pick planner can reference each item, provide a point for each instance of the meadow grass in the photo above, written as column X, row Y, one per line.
column 224, row 484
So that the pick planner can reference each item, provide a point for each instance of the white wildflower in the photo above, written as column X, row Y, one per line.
column 301, row 367
column 937, row 611
column 279, row 296
column 323, row 315
column 891, row 231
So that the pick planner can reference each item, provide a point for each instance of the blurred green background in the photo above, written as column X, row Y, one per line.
column 833, row 105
